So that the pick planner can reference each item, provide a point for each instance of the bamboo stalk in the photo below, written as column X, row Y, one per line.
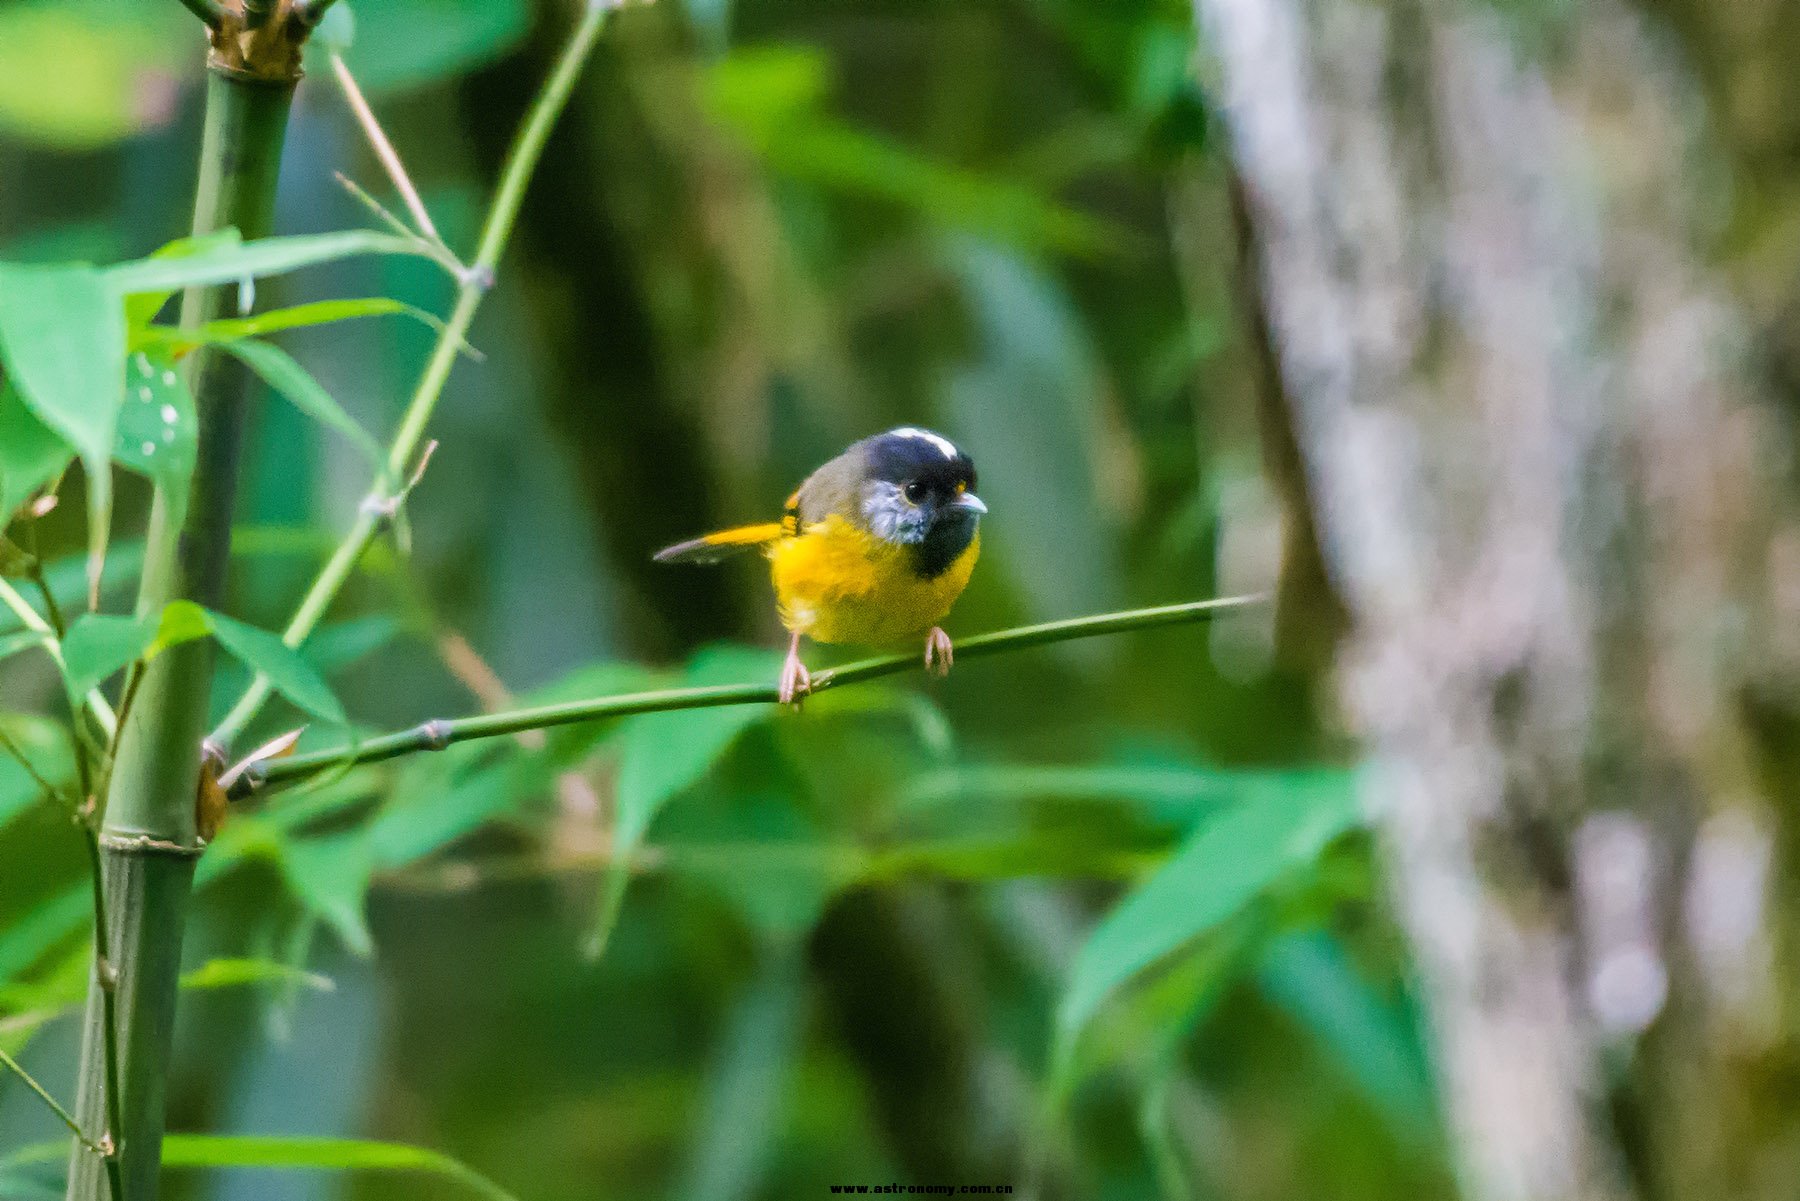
column 436, row 735
column 147, row 843
column 496, row 231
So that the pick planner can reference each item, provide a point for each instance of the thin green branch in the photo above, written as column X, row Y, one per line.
column 17, row 753
column 56, row 1107
column 34, row 621
column 106, row 976
column 515, row 176
column 436, row 735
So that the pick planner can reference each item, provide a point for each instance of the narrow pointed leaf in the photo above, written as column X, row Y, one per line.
column 663, row 754
column 300, row 316
column 1228, row 861
column 100, row 644
column 62, row 337
column 279, row 370
column 158, row 429
column 226, row 262
column 185, row 1151
column 31, row 454
column 141, row 307
column 288, row 673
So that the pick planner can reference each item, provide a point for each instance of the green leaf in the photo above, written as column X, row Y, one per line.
column 63, row 999
column 330, row 877
column 141, row 307
column 661, row 755
column 31, row 455
column 422, row 821
column 99, row 644
column 62, row 336
column 299, row 316
column 158, row 429
column 279, row 370
column 181, row 621
column 746, row 1090
column 44, row 745
column 183, row 1151
column 227, row 262
column 1310, row 976
column 25, row 940
column 1227, row 862
column 288, row 673
column 774, row 99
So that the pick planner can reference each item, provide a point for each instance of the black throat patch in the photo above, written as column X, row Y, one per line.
column 941, row 546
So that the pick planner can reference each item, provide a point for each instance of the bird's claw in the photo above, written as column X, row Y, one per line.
column 938, row 652
column 796, row 681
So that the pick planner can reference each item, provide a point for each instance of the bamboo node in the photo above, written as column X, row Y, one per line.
column 145, row 844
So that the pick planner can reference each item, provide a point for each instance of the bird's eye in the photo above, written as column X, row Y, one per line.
column 915, row 492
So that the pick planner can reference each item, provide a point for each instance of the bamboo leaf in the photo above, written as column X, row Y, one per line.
column 100, row 644
column 1312, row 978
column 158, row 429
column 31, row 455
column 141, row 307
column 289, row 674
column 26, row 939
column 279, row 370
column 300, row 316
column 188, row 1151
column 330, row 877
column 747, row 1088
column 226, row 261
column 62, row 336
column 1226, row 863
column 44, row 747
column 64, row 999
column 663, row 754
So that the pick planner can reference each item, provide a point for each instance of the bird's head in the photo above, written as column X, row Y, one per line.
column 918, row 490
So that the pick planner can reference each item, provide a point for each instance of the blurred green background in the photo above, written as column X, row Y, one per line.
column 1093, row 921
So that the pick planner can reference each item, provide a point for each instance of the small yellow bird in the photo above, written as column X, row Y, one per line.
column 875, row 547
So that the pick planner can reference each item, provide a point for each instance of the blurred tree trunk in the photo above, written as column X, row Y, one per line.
column 1558, row 513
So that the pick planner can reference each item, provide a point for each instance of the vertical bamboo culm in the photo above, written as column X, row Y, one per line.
column 148, row 839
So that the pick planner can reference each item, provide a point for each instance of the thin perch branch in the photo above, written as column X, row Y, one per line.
column 436, row 735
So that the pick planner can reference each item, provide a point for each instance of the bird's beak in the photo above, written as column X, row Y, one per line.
column 969, row 502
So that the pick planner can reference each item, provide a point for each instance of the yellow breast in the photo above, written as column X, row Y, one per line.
column 836, row 583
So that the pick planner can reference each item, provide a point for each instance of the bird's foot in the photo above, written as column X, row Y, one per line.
column 938, row 652
column 796, row 681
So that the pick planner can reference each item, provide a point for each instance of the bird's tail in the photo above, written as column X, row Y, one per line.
column 713, row 547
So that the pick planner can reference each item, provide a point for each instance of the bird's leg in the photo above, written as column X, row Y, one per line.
column 796, row 681
column 938, row 654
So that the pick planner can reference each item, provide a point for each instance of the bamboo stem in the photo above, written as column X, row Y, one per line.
column 377, row 506
column 147, row 843
column 436, row 735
